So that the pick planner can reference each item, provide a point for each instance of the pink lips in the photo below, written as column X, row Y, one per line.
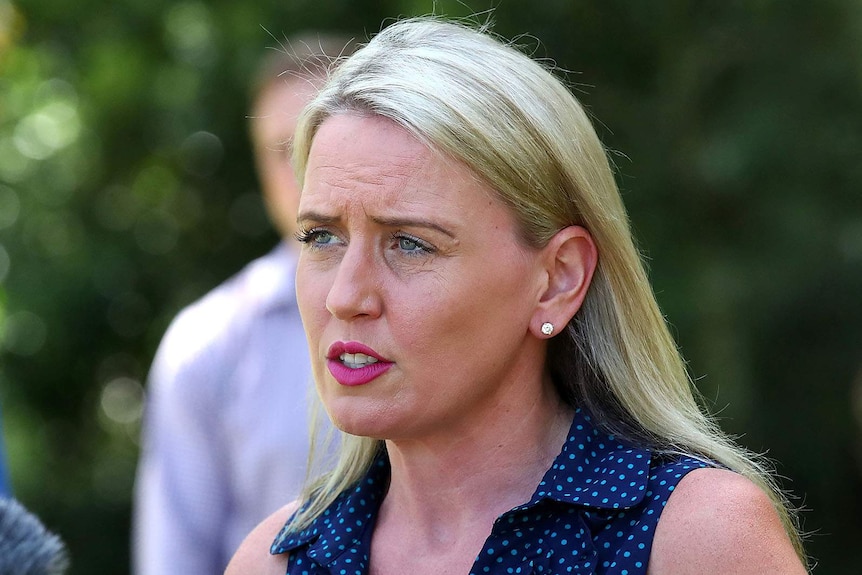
column 354, row 376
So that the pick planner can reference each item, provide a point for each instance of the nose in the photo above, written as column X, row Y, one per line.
column 355, row 290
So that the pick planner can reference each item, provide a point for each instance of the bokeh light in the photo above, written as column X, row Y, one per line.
column 45, row 131
column 24, row 333
column 122, row 400
column 190, row 33
column 201, row 153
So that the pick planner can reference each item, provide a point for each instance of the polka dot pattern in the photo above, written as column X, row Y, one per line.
column 595, row 511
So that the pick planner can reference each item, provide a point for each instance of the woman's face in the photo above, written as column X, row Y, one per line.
column 414, row 288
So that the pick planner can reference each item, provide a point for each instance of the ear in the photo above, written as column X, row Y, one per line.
column 570, row 259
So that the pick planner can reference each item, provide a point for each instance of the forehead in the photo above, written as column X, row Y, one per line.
column 357, row 141
column 373, row 158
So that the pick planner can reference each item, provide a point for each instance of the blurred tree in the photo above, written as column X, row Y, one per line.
column 127, row 190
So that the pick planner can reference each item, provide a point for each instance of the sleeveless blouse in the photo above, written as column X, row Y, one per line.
column 594, row 512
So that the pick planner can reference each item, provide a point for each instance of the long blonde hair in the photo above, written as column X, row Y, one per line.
column 465, row 93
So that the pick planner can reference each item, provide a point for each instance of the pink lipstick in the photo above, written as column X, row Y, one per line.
column 352, row 363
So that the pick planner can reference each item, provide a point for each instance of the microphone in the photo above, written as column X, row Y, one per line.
column 26, row 547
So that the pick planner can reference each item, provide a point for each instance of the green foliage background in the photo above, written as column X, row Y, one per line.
column 127, row 190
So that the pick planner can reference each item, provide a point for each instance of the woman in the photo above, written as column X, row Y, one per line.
column 481, row 327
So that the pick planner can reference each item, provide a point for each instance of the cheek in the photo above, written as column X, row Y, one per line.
column 436, row 322
column 491, row 301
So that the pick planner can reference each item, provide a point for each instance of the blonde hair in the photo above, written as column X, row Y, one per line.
column 465, row 93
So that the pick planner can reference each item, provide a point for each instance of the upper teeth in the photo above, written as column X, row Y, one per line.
column 356, row 360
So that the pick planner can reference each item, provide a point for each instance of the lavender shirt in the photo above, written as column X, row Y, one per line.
column 225, row 429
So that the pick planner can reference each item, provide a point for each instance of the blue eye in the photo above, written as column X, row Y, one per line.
column 408, row 244
column 317, row 238
column 323, row 237
column 412, row 245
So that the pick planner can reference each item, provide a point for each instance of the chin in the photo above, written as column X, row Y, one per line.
column 363, row 417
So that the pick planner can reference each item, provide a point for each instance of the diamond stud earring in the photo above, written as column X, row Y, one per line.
column 547, row 328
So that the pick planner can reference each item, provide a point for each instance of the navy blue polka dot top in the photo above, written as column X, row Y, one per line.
column 595, row 511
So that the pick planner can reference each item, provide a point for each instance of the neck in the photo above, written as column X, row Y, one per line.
column 469, row 476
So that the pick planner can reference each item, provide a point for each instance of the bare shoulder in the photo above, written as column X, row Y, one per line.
column 718, row 522
column 253, row 556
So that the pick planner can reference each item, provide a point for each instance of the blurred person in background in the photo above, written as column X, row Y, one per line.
column 225, row 437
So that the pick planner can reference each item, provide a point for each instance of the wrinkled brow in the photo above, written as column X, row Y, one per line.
column 391, row 222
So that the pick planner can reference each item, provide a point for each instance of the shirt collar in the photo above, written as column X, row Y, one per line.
column 594, row 470
column 345, row 525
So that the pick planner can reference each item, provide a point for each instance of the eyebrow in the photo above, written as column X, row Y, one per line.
column 391, row 222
